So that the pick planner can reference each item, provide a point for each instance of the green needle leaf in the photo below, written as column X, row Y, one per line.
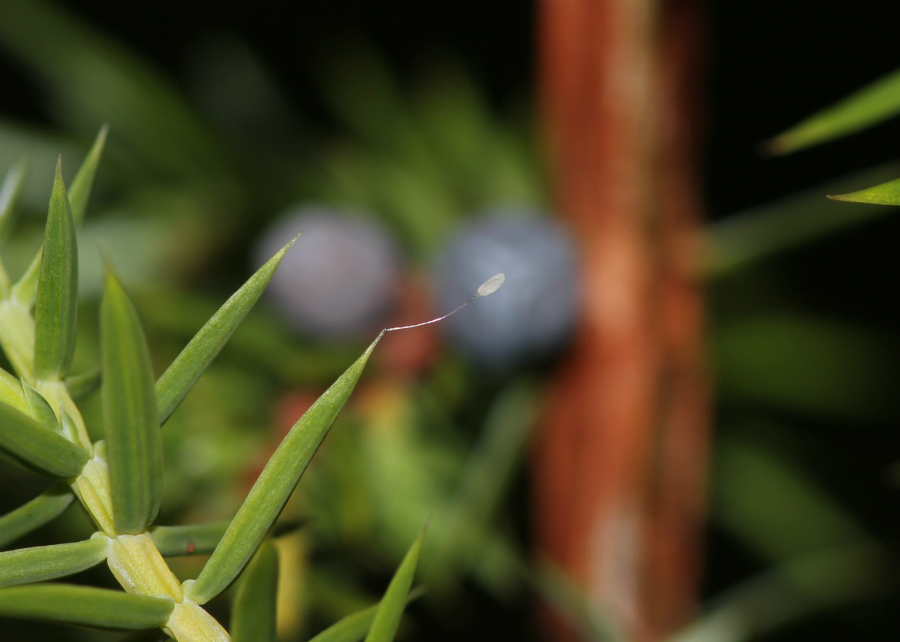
column 40, row 563
column 80, row 386
column 870, row 105
column 274, row 486
column 26, row 289
column 39, row 409
column 196, row 539
column 36, row 513
column 11, row 391
column 349, row 629
column 883, row 194
column 253, row 616
column 85, row 606
column 390, row 610
column 10, row 194
column 747, row 237
column 805, row 364
column 202, row 539
column 30, row 444
column 55, row 315
column 129, row 412
column 84, row 179
column 150, row 635
column 785, row 593
column 180, row 377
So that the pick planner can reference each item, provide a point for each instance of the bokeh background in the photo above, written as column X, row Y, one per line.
column 404, row 140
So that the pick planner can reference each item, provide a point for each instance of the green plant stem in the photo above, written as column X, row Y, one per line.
column 92, row 489
column 134, row 560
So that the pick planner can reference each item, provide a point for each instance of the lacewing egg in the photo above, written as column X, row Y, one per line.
column 534, row 314
column 491, row 285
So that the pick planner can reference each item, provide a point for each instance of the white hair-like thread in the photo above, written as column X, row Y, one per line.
column 488, row 287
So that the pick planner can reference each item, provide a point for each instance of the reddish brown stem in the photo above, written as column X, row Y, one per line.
column 620, row 461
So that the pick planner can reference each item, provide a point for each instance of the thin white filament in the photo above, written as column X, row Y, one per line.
column 488, row 287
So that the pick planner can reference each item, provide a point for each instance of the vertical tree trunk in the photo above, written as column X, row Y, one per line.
column 620, row 461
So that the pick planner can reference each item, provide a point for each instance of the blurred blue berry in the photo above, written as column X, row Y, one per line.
column 534, row 312
column 341, row 277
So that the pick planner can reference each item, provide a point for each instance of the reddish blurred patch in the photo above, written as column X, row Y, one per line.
column 408, row 353
column 289, row 409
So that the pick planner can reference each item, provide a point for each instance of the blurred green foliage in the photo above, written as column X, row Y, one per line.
column 194, row 179
column 191, row 191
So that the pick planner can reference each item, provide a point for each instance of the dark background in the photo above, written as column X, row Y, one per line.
column 768, row 64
